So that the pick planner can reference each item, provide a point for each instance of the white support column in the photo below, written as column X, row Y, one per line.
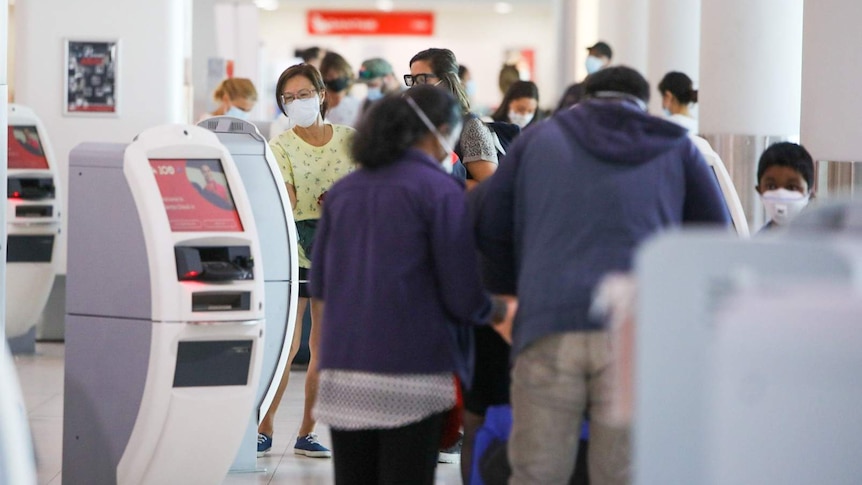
column 4, row 147
column 674, row 43
column 621, row 23
column 831, row 105
column 750, row 84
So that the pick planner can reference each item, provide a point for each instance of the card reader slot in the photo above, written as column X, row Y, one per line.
column 34, row 211
column 224, row 263
column 30, row 188
column 221, row 301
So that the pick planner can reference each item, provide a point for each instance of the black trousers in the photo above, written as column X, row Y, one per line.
column 406, row 455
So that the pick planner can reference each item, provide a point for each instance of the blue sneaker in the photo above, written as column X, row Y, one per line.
column 309, row 446
column 264, row 444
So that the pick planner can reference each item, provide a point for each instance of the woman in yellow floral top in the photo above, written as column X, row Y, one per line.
column 312, row 156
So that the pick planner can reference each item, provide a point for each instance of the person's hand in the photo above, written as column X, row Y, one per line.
column 504, row 328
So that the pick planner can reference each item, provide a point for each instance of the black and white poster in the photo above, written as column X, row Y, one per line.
column 91, row 77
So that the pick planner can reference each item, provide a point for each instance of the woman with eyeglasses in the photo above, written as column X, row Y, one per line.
column 438, row 67
column 312, row 156
column 394, row 292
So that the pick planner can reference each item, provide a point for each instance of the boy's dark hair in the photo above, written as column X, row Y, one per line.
column 680, row 85
column 621, row 79
column 786, row 154
column 391, row 125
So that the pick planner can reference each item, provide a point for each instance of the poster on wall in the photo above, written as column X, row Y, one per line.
column 91, row 77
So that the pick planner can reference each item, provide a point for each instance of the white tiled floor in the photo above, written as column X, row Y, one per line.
column 41, row 377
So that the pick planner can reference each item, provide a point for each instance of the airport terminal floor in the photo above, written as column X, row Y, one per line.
column 41, row 378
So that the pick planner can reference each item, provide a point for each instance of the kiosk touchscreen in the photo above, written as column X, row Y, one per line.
column 277, row 231
column 33, row 213
column 164, row 315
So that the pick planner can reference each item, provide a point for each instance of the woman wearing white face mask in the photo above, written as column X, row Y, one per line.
column 395, row 269
column 520, row 105
column 235, row 97
column 677, row 95
column 785, row 179
column 312, row 156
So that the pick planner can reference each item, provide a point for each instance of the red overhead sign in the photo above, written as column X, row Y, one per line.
column 347, row 22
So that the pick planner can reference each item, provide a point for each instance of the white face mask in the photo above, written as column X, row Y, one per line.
column 236, row 113
column 593, row 64
column 304, row 112
column 519, row 119
column 783, row 205
column 448, row 145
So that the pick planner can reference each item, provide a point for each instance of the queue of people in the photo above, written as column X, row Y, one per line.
column 446, row 272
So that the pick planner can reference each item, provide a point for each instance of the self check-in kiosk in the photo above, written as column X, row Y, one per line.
column 685, row 283
column 33, row 211
column 164, row 315
column 277, row 232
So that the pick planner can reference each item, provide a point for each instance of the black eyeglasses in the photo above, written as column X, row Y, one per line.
column 410, row 80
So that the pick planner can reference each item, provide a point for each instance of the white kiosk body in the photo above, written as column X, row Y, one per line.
column 785, row 387
column 17, row 460
column 684, row 279
column 164, row 315
column 725, row 183
column 33, row 211
column 277, row 232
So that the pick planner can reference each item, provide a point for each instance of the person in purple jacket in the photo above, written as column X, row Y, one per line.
column 396, row 272
column 576, row 195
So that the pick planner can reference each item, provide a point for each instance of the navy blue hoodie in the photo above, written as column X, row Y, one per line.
column 577, row 194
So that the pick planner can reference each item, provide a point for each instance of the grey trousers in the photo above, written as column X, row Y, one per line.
column 554, row 381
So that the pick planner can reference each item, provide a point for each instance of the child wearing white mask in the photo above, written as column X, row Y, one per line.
column 234, row 97
column 312, row 156
column 785, row 182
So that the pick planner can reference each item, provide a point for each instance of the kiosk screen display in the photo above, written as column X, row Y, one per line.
column 25, row 149
column 196, row 195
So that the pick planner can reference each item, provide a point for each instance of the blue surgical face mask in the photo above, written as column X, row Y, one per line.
column 236, row 113
column 470, row 89
column 374, row 93
column 593, row 64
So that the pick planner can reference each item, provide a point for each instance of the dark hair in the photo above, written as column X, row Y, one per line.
column 602, row 49
column 621, row 79
column 311, row 73
column 462, row 69
column 333, row 61
column 786, row 154
column 680, row 86
column 310, row 53
column 509, row 74
column 518, row 90
column 391, row 125
column 445, row 66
